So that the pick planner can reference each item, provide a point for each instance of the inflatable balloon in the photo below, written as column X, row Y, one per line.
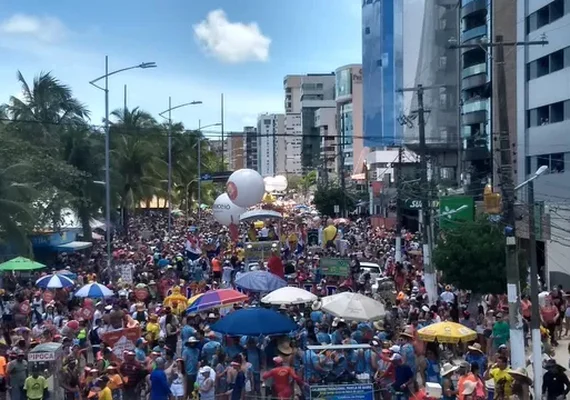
column 245, row 188
column 226, row 212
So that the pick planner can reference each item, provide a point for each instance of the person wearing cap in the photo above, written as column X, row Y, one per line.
column 17, row 374
column 69, row 378
column 207, row 386
column 152, row 330
column 159, row 387
column 403, row 375
column 501, row 331
column 36, row 386
column 191, row 357
column 281, row 377
column 132, row 372
column 115, row 382
column 140, row 350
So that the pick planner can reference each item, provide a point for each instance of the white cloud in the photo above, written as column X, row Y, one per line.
column 231, row 42
column 45, row 29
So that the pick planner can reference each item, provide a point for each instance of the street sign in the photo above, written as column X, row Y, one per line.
column 456, row 208
column 414, row 204
column 217, row 177
column 335, row 266
column 336, row 209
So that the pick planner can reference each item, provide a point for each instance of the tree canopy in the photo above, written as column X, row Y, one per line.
column 472, row 255
column 326, row 197
column 52, row 158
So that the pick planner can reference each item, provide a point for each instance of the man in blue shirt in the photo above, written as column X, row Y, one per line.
column 403, row 377
column 191, row 357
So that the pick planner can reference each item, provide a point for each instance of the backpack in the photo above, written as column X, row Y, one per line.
column 94, row 336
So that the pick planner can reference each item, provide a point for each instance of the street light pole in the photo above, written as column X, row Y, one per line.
column 199, row 144
column 105, row 89
column 169, row 118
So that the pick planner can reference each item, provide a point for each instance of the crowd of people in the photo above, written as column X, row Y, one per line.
column 179, row 356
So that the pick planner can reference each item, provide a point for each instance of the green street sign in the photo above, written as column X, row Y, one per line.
column 456, row 208
column 335, row 266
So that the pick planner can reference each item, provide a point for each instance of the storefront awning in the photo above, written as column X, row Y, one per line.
column 73, row 246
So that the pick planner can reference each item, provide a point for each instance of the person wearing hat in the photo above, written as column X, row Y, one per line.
column 281, row 377
column 159, row 387
column 152, row 330
column 207, row 386
column 521, row 384
column 115, row 382
column 17, row 373
column 407, row 350
column 447, row 386
column 69, row 378
column 404, row 376
column 475, row 355
column 468, row 392
column 555, row 383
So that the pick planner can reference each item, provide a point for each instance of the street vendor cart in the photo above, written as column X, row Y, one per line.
column 48, row 359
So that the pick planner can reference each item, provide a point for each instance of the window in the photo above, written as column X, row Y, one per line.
column 554, row 162
column 557, row 112
column 556, row 61
column 367, row 31
column 528, row 165
column 546, row 15
column 442, row 62
column 550, row 113
column 379, row 63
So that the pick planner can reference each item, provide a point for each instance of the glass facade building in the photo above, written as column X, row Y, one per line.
column 382, row 71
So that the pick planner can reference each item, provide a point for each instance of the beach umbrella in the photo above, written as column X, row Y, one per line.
column 95, row 290
column 20, row 264
column 254, row 322
column 353, row 307
column 260, row 281
column 289, row 295
column 214, row 299
column 447, row 332
column 54, row 281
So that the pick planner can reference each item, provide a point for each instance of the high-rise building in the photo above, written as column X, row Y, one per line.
column 325, row 123
column 236, row 151
column 251, row 147
column 304, row 95
column 543, row 120
column 293, row 129
column 438, row 70
column 382, row 71
column 350, row 116
column 271, row 138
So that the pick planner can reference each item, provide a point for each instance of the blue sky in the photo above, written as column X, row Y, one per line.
column 202, row 47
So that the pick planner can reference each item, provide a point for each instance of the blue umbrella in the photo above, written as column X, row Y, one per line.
column 260, row 281
column 54, row 281
column 254, row 322
column 94, row 290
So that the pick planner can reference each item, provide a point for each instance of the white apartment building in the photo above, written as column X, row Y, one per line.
column 293, row 127
column 543, row 119
column 270, row 131
column 325, row 122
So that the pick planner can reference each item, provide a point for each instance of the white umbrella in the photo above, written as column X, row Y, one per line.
column 353, row 307
column 289, row 295
column 94, row 290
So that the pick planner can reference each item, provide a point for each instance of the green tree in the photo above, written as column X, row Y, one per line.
column 326, row 197
column 471, row 255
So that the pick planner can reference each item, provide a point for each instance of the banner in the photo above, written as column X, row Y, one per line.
column 343, row 392
column 260, row 250
column 121, row 340
column 335, row 266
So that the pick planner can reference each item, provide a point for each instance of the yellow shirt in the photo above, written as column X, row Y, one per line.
column 35, row 387
column 329, row 233
column 501, row 374
column 241, row 253
column 152, row 330
column 115, row 381
column 106, row 394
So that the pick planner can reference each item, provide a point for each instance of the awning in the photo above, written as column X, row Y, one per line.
column 260, row 214
column 74, row 246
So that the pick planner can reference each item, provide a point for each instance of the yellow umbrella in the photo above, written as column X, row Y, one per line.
column 447, row 332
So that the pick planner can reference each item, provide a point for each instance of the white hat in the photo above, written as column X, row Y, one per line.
column 212, row 315
column 336, row 321
column 395, row 349
column 192, row 339
column 109, row 307
column 395, row 357
column 448, row 368
column 425, row 308
column 469, row 388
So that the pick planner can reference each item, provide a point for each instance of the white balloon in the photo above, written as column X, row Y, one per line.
column 225, row 211
column 245, row 187
column 280, row 182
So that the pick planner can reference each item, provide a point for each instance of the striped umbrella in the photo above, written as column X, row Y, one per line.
column 54, row 281
column 94, row 290
column 214, row 299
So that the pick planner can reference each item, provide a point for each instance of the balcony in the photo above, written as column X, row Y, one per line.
column 471, row 6
column 474, row 70
column 477, row 105
column 473, row 33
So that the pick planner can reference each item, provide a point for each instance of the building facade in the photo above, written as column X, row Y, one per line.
column 293, row 129
column 543, row 118
column 325, row 123
column 236, row 151
column 382, row 71
column 350, row 116
column 251, row 147
column 271, row 138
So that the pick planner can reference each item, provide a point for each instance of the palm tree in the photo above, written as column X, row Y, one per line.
column 46, row 105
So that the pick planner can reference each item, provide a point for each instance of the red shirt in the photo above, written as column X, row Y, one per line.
column 276, row 266
column 281, row 381
column 549, row 313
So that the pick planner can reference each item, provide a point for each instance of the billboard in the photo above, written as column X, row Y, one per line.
column 456, row 208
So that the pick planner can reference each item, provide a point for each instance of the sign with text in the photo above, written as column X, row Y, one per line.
column 335, row 266
column 121, row 340
column 456, row 208
column 342, row 392
column 260, row 250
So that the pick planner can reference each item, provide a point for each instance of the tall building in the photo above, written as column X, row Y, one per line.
column 304, row 95
column 382, row 71
column 271, row 138
column 350, row 116
column 438, row 67
column 251, row 147
column 236, row 151
column 325, row 123
column 543, row 120
column 293, row 127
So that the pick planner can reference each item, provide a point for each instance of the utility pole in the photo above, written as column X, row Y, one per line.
column 398, row 206
column 430, row 278
column 222, row 122
column 342, row 170
column 508, row 193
